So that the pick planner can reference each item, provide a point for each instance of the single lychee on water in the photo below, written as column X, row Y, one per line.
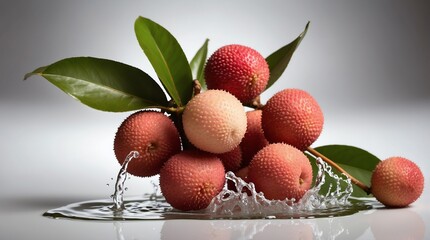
column 397, row 182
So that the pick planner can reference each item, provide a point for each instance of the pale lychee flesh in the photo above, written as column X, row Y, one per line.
column 214, row 121
column 294, row 117
column 191, row 179
column 281, row 171
column 150, row 133
column 238, row 69
column 397, row 182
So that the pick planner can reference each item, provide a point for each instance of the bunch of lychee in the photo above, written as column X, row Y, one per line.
column 215, row 134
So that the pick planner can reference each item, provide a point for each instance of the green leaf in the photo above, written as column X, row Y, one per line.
column 104, row 84
column 357, row 162
column 197, row 64
column 167, row 59
column 278, row 61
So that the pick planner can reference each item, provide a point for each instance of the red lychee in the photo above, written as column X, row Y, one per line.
column 397, row 182
column 294, row 117
column 238, row 69
column 153, row 135
column 254, row 139
column 231, row 160
column 191, row 179
column 280, row 171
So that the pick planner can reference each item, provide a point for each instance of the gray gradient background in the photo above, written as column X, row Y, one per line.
column 366, row 62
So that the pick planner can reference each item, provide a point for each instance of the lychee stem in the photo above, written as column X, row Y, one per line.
column 197, row 87
column 256, row 103
column 333, row 164
column 171, row 110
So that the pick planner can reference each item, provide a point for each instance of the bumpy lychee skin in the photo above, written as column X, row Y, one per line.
column 214, row 121
column 294, row 117
column 238, row 69
column 281, row 171
column 231, row 160
column 191, row 179
column 397, row 182
column 254, row 139
column 153, row 135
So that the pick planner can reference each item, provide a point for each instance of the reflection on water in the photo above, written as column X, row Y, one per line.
column 118, row 230
column 377, row 223
column 397, row 224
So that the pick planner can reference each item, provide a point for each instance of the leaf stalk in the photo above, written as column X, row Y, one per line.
column 340, row 169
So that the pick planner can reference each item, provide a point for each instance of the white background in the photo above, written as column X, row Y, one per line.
column 366, row 62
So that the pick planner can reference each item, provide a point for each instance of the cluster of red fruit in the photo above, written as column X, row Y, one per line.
column 215, row 134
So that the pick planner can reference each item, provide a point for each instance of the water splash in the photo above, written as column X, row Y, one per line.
column 245, row 201
column 228, row 204
column 118, row 195
column 156, row 191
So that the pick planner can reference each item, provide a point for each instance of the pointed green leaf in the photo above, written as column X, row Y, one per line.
column 197, row 64
column 357, row 162
column 278, row 61
column 104, row 84
column 36, row 71
column 167, row 59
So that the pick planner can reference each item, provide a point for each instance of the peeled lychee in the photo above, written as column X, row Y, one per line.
column 294, row 117
column 214, row 121
column 237, row 69
column 153, row 135
column 281, row 171
column 397, row 182
column 254, row 138
column 191, row 179
column 231, row 160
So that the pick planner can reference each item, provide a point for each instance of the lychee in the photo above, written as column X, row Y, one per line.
column 238, row 69
column 153, row 135
column 281, row 171
column 231, row 160
column 254, row 138
column 294, row 117
column 191, row 179
column 214, row 121
column 397, row 182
